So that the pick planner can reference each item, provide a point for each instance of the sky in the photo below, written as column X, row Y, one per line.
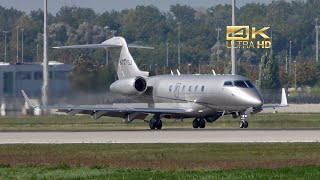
column 101, row 6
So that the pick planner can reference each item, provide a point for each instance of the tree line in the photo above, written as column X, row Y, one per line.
column 201, row 49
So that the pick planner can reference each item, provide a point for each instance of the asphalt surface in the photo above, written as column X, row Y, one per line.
column 162, row 136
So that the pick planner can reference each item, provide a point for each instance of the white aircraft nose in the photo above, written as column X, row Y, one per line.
column 257, row 101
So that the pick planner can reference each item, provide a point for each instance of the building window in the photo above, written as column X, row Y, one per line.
column 60, row 75
column 23, row 75
column 38, row 75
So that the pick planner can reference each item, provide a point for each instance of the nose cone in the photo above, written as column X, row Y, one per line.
column 257, row 101
column 254, row 98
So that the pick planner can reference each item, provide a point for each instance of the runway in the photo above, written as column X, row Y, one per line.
column 162, row 136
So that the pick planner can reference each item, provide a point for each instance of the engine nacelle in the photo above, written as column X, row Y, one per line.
column 213, row 118
column 129, row 86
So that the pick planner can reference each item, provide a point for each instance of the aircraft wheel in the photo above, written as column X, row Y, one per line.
column 246, row 124
column 152, row 123
column 202, row 123
column 158, row 124
column 241, row 124
column 195, row 123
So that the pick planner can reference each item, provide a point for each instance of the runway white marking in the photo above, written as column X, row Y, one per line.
column 171, row 136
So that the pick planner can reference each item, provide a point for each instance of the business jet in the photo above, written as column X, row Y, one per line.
column 203, row 97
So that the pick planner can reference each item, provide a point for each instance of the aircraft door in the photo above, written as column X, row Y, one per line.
column 176, row 90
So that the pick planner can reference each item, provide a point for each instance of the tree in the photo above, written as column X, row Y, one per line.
column 269, row 72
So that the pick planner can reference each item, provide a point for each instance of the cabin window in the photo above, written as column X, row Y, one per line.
column 228, row 83
column 250, row 84
column 202, row 88
column 190, row 88
column 183, row 87
column 196, row 88
column 170, row 88
column 240, row 84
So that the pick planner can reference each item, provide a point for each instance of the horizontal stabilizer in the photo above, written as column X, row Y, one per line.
column 87, row 46
column 139, row 46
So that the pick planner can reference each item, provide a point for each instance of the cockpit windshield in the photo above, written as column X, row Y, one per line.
column 240, row 84
column 250, row 84
column 228, row 84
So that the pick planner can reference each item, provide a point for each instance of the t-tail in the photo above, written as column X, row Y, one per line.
column 123, row 62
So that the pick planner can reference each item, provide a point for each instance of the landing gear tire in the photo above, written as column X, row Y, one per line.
column 246, row 124
column 195, row 123
column 155, row 122
column 159, row 124
column 202, row 123
column 243, row 124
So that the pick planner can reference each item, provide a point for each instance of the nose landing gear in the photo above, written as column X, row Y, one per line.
column 243, row 123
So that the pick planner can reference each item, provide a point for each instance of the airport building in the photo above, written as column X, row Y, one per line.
column 29, row 77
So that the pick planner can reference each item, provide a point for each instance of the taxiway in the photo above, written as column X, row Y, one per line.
column 162, row 136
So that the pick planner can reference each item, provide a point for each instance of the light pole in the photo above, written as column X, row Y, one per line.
column 167, row 54
column 22, row 44
column 17, row 43
column 317, row 41
column 233, row 51
column 37, row 52
column 179, row 31
column 5, row 46
column 286, row 62
column 218, row 39
column 290, row 59
column 107, row 52
column 295, row 74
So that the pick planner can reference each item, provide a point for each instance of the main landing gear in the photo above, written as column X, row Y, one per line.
column 199, row 123
column 243, row 123
column 155, row 122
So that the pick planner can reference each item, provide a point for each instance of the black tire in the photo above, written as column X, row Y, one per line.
column 202, row 123
column 152, row 123
column 158, row 124
column 195, row 123
column 246, row 124
column 241, row 124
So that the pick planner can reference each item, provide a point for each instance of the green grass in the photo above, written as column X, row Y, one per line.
column 161, row 161
column 66, row 172
column 62, row 122
column 163, row 156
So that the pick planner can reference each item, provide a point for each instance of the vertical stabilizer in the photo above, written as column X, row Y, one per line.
column 124, row 63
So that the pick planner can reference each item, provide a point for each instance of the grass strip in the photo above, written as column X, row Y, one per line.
column 67, row 172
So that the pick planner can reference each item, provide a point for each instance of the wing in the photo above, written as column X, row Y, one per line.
column 284, row 101
column 96, row 111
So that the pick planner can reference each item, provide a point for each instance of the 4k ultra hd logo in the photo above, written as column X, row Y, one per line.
column 242, row 37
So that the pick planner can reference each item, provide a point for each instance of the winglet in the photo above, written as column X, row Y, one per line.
column 213, row 72
column 30, row 104
column 171, row 72
column 284, row 101
column 178, row 72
